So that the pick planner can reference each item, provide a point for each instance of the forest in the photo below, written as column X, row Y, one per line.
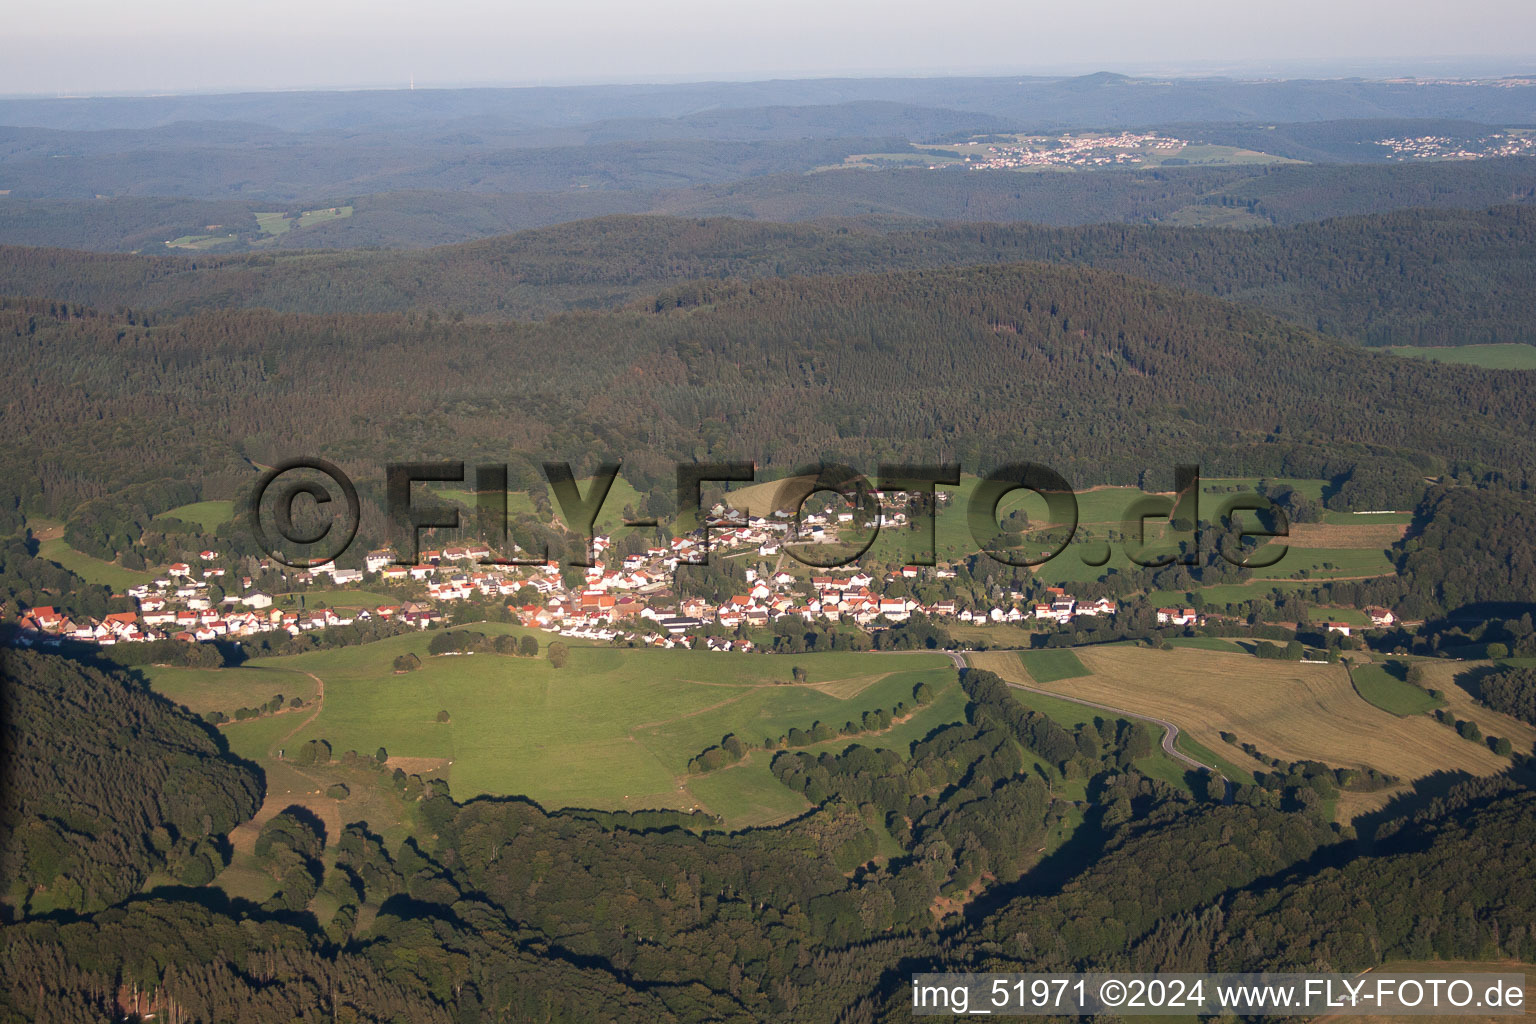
column 1105, row 378
column 503, row 911
column 1409, row 277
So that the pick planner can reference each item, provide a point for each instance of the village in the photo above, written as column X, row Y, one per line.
column 1066, row 151
column 630, row 598
column 1439, row 147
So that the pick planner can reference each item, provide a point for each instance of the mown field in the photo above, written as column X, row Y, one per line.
column 1510, row 356
column 612, row 729
column 1458, row 680
column 207, row 515
column 1288, row 710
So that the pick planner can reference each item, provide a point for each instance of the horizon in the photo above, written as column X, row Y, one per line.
column 1427, row 69
column 95, row 48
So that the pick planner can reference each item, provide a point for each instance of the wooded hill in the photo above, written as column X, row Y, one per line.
column 1251, row 195
column 105, row 783
column 1102, row 376
column 1413, row 277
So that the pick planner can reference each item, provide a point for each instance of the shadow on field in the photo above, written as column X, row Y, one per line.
column 1419, row 798
column 1471, row 680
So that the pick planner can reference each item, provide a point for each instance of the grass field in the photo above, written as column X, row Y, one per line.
column 1205, row 643
column 371, row 799
column 614, row 728
column 1324, row 563
column 1288, row 710
column 278, row 223
column 1458, row 681
column 310, row 218
column 274, row 223
column 92, row 570
column 992, row 634
column 206, row 515
column 1366, row 533
column 1049, row 666
column 1350, row 547
column 1386, row 686
column 200, row 243
column 1488, row 357
column 763, row 499
column 1309, row 487
column 1200, row 752
column 225, row 689
column 1351, row 518
column 1317, row 614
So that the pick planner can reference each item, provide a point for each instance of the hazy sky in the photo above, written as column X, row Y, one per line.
column 99, row 46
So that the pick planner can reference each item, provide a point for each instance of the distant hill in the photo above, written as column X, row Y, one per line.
column 1102, row 99
column 1417, row 277
column 1246, row 196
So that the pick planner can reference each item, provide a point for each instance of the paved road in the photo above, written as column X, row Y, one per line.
column 1170, row 731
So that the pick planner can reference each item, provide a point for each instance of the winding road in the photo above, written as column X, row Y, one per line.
column 1170, row 731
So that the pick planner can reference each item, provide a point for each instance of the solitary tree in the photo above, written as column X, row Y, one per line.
column 381, row 756
column 558, row 653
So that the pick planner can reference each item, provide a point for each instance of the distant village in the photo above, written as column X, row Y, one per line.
column 1066, row 151
column 620, row 599
column 1439, row 147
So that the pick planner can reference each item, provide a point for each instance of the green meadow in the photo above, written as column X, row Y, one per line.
column 1049, row 666
column 224, row 689
column 91, row 569
column 277, row 223
column 1510, row 356
column 1206, row 643
column 1387, row 687
column 615, row 728
column 206, row 515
